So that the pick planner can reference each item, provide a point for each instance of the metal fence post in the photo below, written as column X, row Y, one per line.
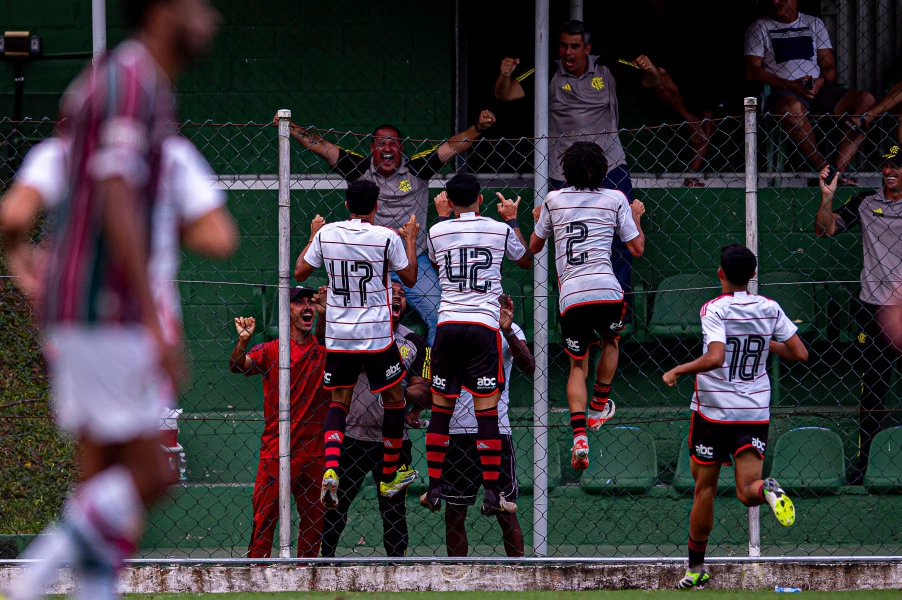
column 751, row 242
column 540, row 298
column 284, row 117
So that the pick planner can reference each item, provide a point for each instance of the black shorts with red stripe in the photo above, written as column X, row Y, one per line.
column 466, row 356
column 711, row 442
column 383, row 368
column 583, row 325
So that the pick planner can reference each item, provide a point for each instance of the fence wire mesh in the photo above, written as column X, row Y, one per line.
column 635, row 497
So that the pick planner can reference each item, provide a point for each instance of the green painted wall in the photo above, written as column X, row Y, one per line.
column 348, row 65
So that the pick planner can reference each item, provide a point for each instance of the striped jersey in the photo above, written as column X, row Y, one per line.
column 358, row 258
column 185, row 194
column 120, row 112
column 739, row 390
column 464, row 418
column 469, row 251
column 584, row 223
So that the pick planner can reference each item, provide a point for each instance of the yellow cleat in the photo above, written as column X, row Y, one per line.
column 329, row 493
column 403, row 478
column 779, row 502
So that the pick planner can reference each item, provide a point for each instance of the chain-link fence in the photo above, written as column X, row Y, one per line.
column 635, row 497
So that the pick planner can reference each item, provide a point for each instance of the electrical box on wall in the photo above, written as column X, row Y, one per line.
column 19, row 44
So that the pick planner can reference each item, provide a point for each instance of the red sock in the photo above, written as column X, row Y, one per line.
column 578, row 423
column 335, row 433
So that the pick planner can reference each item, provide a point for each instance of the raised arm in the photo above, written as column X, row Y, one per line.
column 463, row 140
column 302, row 268
column 408, row 233
column 507, row 88
column 825, row 219
column 507, row 210
column 636, row 246
column 315, row 143
column 239, row 361
column 523, row 358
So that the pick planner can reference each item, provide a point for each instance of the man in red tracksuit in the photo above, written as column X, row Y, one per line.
column 309, row 404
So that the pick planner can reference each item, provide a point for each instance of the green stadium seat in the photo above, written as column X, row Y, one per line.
column 797, row 296
column 809, row 461
column 884, row 473
column 623, row 461
column 677, row 303
column 682, row 478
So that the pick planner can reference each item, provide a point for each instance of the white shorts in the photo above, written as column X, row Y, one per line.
column 106, row 382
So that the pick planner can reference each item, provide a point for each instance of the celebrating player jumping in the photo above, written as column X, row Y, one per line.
column 584, row 219
column 359, row 257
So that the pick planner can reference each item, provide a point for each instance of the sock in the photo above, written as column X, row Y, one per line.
column 53, row 548
column 488, row 446
column 578, row 423
column 392, row 438
column 600, row 395
column 107, row 510
column 437, row 440
column 697, row 553
column 335, row 433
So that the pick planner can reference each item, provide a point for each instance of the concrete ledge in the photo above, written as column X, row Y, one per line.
column 487, row 577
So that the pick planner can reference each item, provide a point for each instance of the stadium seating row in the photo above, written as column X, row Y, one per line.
column 806, row 460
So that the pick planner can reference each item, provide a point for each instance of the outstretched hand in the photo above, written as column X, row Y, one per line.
column 410, row 230
column 507, row 209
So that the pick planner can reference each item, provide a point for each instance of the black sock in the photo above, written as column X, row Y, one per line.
column 697, row 553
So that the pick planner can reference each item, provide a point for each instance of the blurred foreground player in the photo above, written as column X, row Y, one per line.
column 731, row 403
column 99, row 299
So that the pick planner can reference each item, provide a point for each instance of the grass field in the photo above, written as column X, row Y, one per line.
column 600, row 595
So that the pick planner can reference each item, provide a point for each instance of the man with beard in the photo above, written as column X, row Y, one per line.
column 362, row 451
column 309, row 404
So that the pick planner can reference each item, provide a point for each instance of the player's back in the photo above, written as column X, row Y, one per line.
column 739, row 390
column 119, row 113
column 584, row 223
column 469, row 251
column 358, row 258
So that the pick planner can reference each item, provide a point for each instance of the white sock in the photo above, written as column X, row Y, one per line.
column 54, row 548
column 108, row 512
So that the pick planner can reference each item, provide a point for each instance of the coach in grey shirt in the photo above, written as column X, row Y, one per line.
column 582, row 106
column 403, row 190
column 879, row 215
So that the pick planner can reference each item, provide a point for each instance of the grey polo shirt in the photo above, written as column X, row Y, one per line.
column 881, row 237
column 403, row 193
column 366, row 412
column 583, row 105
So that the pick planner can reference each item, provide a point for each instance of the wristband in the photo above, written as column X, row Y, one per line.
column 444, row 218
column 512, row 223
column 509, row 333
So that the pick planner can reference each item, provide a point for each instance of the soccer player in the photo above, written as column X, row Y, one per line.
column 362, row 448
column 359, row 257
column 462, row 475
column 730, row 406
column 467, row 253
column 584, row 218
column 99, row 298
column 309, row 404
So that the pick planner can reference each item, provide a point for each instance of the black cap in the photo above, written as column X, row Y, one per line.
column 301, row 291
column 893, row 156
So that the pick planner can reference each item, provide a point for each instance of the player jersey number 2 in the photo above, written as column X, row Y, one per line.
column 745, row 356
column 341, row 281
column 581, row 233
column 466, row 274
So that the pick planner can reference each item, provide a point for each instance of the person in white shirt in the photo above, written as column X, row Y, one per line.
column 468, row 252
column 585, row 219
column 731, row 402
column 463, row 475
column 359, row 258
column 791, row 52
